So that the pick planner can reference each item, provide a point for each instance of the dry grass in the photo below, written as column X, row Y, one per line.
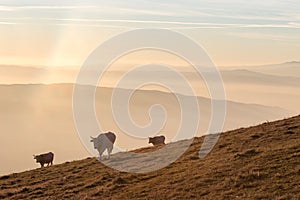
column 261, row 162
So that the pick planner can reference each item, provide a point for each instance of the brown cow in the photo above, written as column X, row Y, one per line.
column 157, row 140
column 46, row 158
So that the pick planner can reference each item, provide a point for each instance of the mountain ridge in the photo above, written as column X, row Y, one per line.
column 127, row 89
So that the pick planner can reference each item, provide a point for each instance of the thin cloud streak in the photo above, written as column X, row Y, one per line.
column 180, row 24
column 7, row 23
column 91, row 25
column 6, row 8
column 20, row 8
column 288, row 25
column 264, row 36
column 148, row 12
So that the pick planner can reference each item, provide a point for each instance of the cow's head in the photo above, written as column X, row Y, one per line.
column 37, row 158
column 95, row 142
column 150, row 140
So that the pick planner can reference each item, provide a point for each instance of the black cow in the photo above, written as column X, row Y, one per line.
column 157, row 140
column 46, row 158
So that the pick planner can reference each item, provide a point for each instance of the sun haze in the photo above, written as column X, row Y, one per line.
column 254, row 45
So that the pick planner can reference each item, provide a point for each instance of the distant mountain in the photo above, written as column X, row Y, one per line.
column 12, row 74
column 243, row 76
column 291, row 69
column 277, row 87
column 260, row 162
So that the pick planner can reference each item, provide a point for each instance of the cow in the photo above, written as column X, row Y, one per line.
column 157, row 140
column 104, row 141
column 46, row 158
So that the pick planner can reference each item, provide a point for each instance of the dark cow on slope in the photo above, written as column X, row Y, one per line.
column 46, row 158
column 157, row 140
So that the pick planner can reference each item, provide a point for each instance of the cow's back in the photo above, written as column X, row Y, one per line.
column 111, row 137
column 106, row 139
column 157, row 140
column 47, row 157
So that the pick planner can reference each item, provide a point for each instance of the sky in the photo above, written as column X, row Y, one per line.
column 233, row 32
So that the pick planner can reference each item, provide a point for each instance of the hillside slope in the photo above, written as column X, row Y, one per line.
column 260, row 162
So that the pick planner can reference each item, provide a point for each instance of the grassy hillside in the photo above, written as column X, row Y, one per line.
column 261, row 162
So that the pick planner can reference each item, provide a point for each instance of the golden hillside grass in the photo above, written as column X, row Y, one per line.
column 261, row 162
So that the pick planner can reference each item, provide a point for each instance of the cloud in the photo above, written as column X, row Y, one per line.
column 7, row 23
column 91, row 25
column 56, row 7
column 20, row 8
column 6, row 8
column 294, row 24
column 288, row 25
column 149, row 12
column 165, row 23
column 177, row 14
column 264, row 36
column 130, row 23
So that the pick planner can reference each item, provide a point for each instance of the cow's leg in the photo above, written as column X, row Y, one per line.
column 101, row 150
column 109, row 150
column 42, row 164
column 108, row 154
column 51, row 163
